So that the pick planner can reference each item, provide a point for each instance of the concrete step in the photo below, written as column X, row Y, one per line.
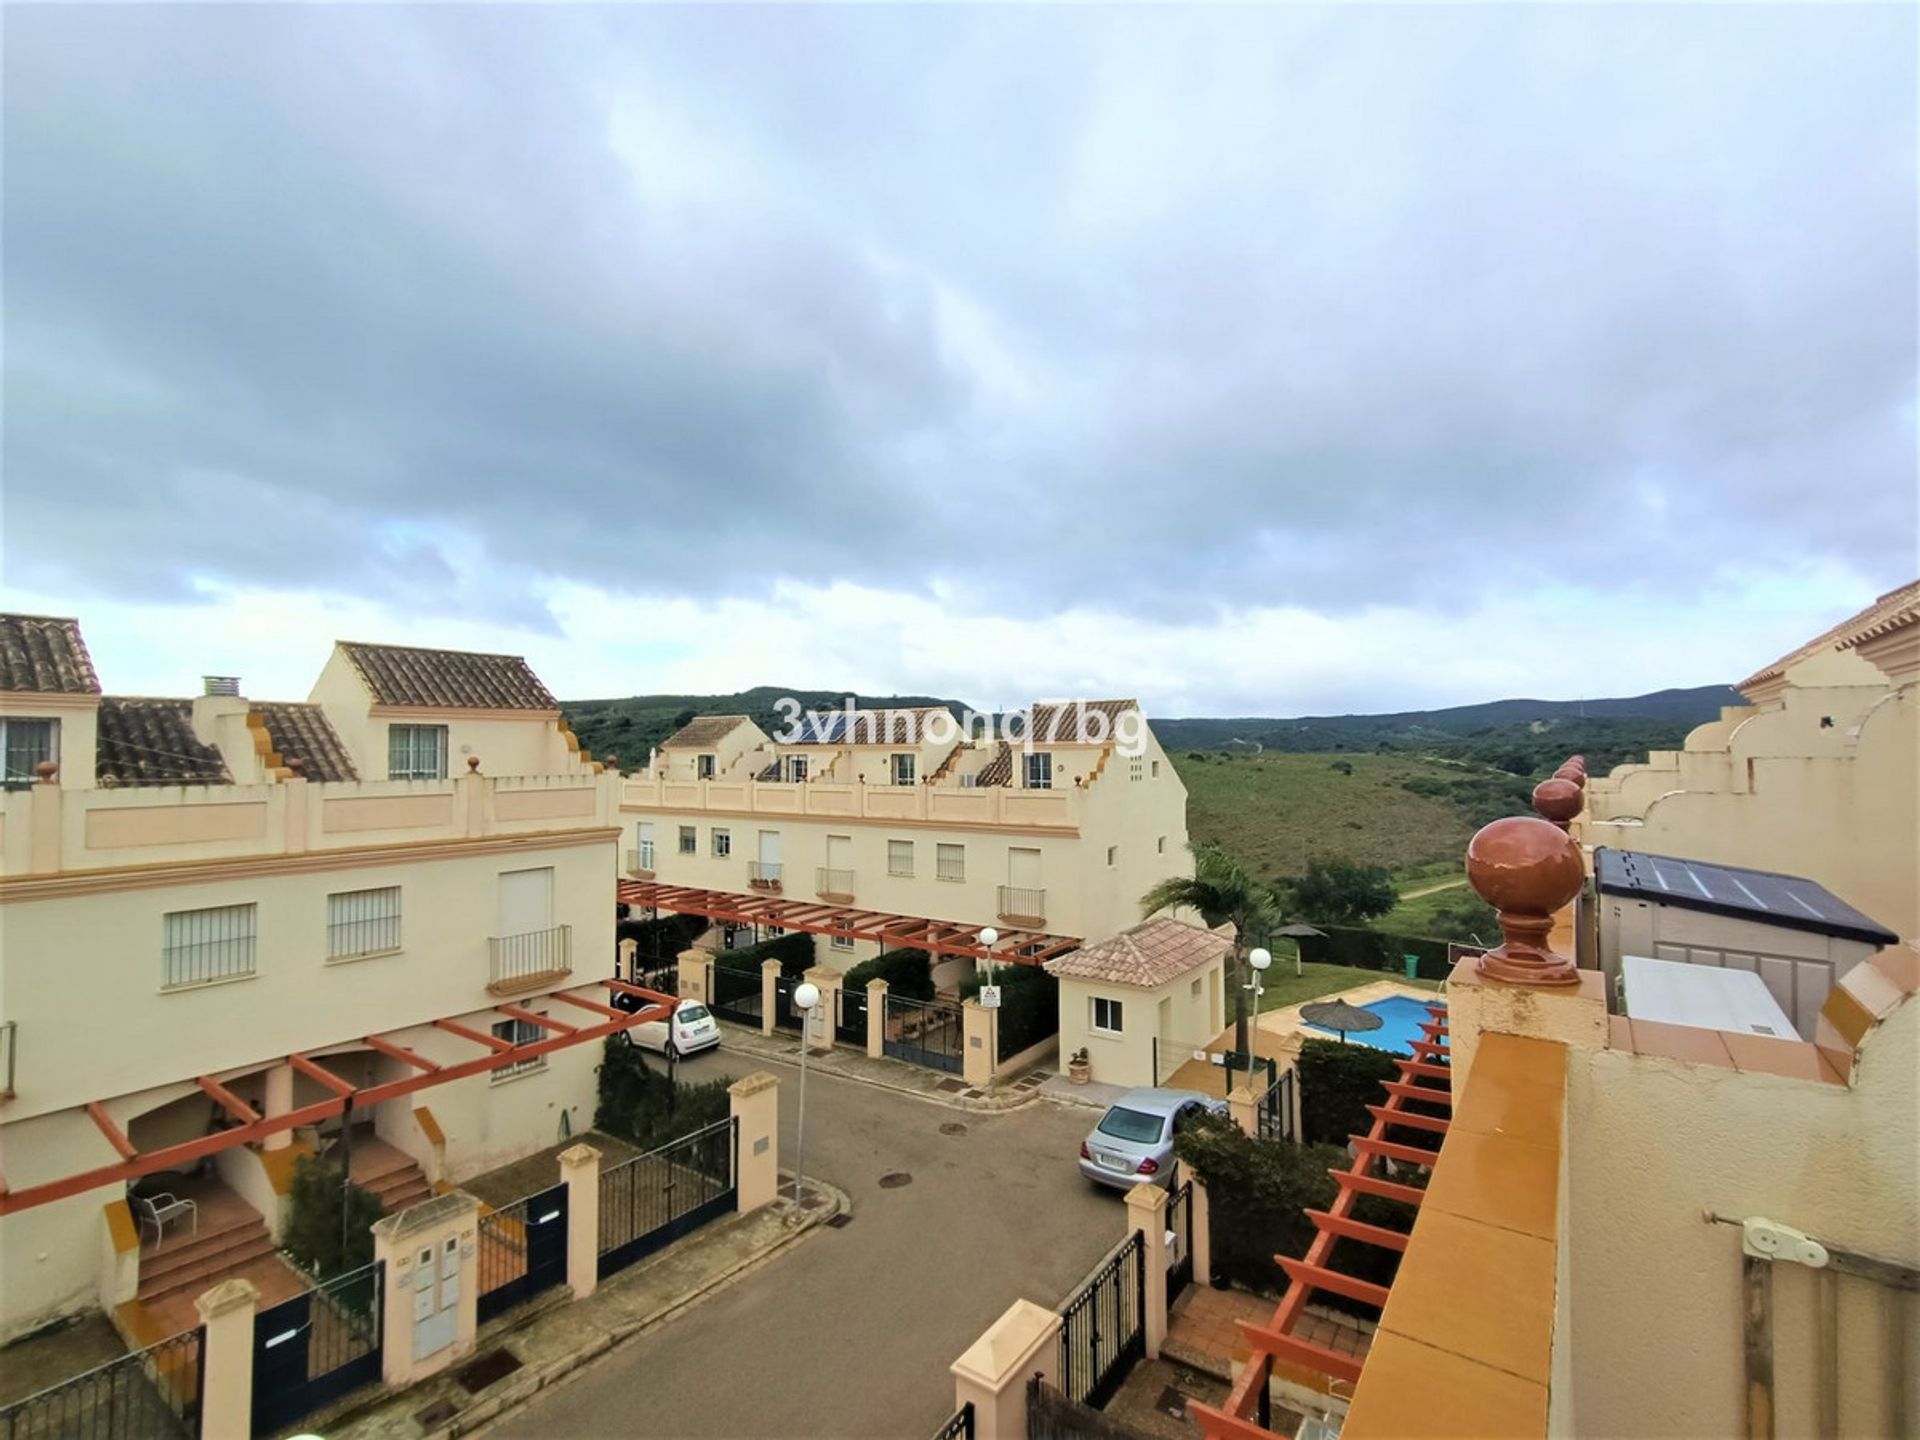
column 203, row 1265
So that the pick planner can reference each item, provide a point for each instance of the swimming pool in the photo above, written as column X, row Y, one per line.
column 1401, row 1019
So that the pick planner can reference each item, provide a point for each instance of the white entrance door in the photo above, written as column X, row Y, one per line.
column 526, row 901
column 436, row 1298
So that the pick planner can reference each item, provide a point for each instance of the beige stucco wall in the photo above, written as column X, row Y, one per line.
column 1839, row 804
column 1655, row 1346
column 1127, row 1058
column 50, row 1256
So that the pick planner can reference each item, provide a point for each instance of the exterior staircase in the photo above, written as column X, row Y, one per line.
column 388, row 1174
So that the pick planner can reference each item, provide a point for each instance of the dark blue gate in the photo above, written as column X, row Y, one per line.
column 316, row 1347
column 523, row 1250
column 650, row 1201
column 925, row 1032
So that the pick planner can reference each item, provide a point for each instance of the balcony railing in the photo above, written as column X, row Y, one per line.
column 524, row 961
column 831, row 884
column 639, row 864
column 764, row 874
column 1023, row 904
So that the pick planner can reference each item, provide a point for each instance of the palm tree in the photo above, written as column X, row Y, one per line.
column 1221, row 889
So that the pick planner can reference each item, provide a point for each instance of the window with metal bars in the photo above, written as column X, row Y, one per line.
column 900, row 857
column 416, row 752
column 362, row 923
column 201, row 946
column 518, row 1032
column 26, row 744
column 950, row 862
column 1040, row 771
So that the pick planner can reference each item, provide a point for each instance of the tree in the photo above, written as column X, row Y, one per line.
column 1222, row 890
column 1338, row 891
column 315, row 1234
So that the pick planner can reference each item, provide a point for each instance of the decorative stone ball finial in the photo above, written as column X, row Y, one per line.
column 45, row 771
column 1575, row 775
column 1527, row 870
column 296, row 767
column 473, row 764
column 1557, row 800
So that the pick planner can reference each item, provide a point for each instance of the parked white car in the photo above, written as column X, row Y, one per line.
column 690, row 1029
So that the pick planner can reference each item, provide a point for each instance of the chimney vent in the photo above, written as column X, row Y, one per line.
column 221, row 685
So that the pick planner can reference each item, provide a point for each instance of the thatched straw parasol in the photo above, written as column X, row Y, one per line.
column 1339, row 1015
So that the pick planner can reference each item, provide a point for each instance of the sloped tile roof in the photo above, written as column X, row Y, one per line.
column 903, row 726
column 1882, row 614
column 145, row 741
column 448, row 679
column 44, row 655
column 998, row 770
column 300, row 731
column 1895, row 610
column 1148, row 955
column 703, row 732
column 1073, row 723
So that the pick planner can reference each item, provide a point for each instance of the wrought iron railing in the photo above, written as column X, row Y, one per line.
column 828, row 881
column 1103, row 1327
column 959, row 1424
column 151, row 1393
column 1274, row 1111
column 653, row 1199
column 1022, row 902
column 536, row 954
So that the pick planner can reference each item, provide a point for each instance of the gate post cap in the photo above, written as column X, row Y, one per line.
column 877, row 986
column 227, row 1296
column 575, row 1156
column 1147, row 1197
column 752, row 1084
column 764, row 964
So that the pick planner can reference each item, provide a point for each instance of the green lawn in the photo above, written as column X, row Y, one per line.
column 1276, row 810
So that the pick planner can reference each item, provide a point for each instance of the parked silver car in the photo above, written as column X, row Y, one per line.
column 1133, row 1143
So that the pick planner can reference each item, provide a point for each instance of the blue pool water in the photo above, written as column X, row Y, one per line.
column 1401, row 1019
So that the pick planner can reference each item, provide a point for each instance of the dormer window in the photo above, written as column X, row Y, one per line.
column 796, row 768
column 703, row 767
column 27, row 743
column 1040, row 771
column 903, row 769
column 416, row 752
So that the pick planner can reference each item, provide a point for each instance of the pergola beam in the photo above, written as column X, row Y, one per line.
column 116, row 1137
column 492, row 1042
column 533, row 1018
column 228, row 1101
column 400, row 1053
column 321, row 1076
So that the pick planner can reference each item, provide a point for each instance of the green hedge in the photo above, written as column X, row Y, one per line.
column 314, row 1234
column 794, row 951
column 908, row 973
column 658, row 941
column 643, row 1107
column 1337, row 1083
column 1029, row 1005
column 1258, row 1192
column 1370, row 950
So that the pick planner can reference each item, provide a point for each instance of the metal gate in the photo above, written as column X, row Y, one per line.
column 152, row 1394
column 1275, row 1108
column 1180, row 1226
column 785, row 1015
column 733, row 992
column 925, row 1032
column 1103, row 1329
column 523, row 1250
column 650, row 1201
column 316, row 1347
column 850, row 1021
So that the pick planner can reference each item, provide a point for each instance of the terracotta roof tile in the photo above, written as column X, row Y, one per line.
column 1884, row 614
column 1147, row 955
column 1072, row 723
column 703, row 732
column 146, row 741
column 302, row 732
column 44, row 655
column 998, row 770
column 448, row 679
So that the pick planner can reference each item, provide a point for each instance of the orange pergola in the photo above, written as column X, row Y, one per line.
column 938, row 937
column 250, row 1125
column 1424, row 1079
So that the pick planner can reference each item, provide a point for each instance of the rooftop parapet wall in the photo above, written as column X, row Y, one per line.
column 998, row 807
column 51, row 830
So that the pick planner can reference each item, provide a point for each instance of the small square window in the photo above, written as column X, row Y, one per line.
column 1106, row 1015
column 1040, row 771
column 722, row 843
column 1156, row 769
column 703, row 767
column 842, row 942
column 903, row 769
column 950, row 862
column 900, row 858
column 416, row 752
column 689, row 842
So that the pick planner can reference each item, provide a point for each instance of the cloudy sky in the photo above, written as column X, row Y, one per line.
column 1249, row 360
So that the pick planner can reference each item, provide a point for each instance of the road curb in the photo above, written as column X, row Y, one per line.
column 522, row 1387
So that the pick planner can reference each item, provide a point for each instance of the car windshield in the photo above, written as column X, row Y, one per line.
column 1135, row 1125
column 688, row 1014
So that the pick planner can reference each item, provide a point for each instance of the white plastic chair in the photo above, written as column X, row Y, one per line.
column 156, row 1210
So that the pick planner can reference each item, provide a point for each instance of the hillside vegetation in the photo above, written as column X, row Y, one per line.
column 1276, row 810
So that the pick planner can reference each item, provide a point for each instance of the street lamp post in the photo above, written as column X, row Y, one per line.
column 989, row 937
column 806, row 995
column 1259, row 959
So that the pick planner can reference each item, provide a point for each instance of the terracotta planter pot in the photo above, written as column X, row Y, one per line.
column 1079, row 1072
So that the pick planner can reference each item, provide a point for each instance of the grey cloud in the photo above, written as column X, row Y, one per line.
column 1328, row 307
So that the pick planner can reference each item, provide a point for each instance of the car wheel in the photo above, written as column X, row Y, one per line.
column 623, row 1037
column 672, row 1052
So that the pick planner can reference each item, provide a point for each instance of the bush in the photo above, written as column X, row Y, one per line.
column 643, row 1107
column 315, row 1234
column 1337, row 1083
column 908, row 973
column 660, row 940
column 1373, row 950
column 1029, row 1005
column 794, row 951
column 1338, row 890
